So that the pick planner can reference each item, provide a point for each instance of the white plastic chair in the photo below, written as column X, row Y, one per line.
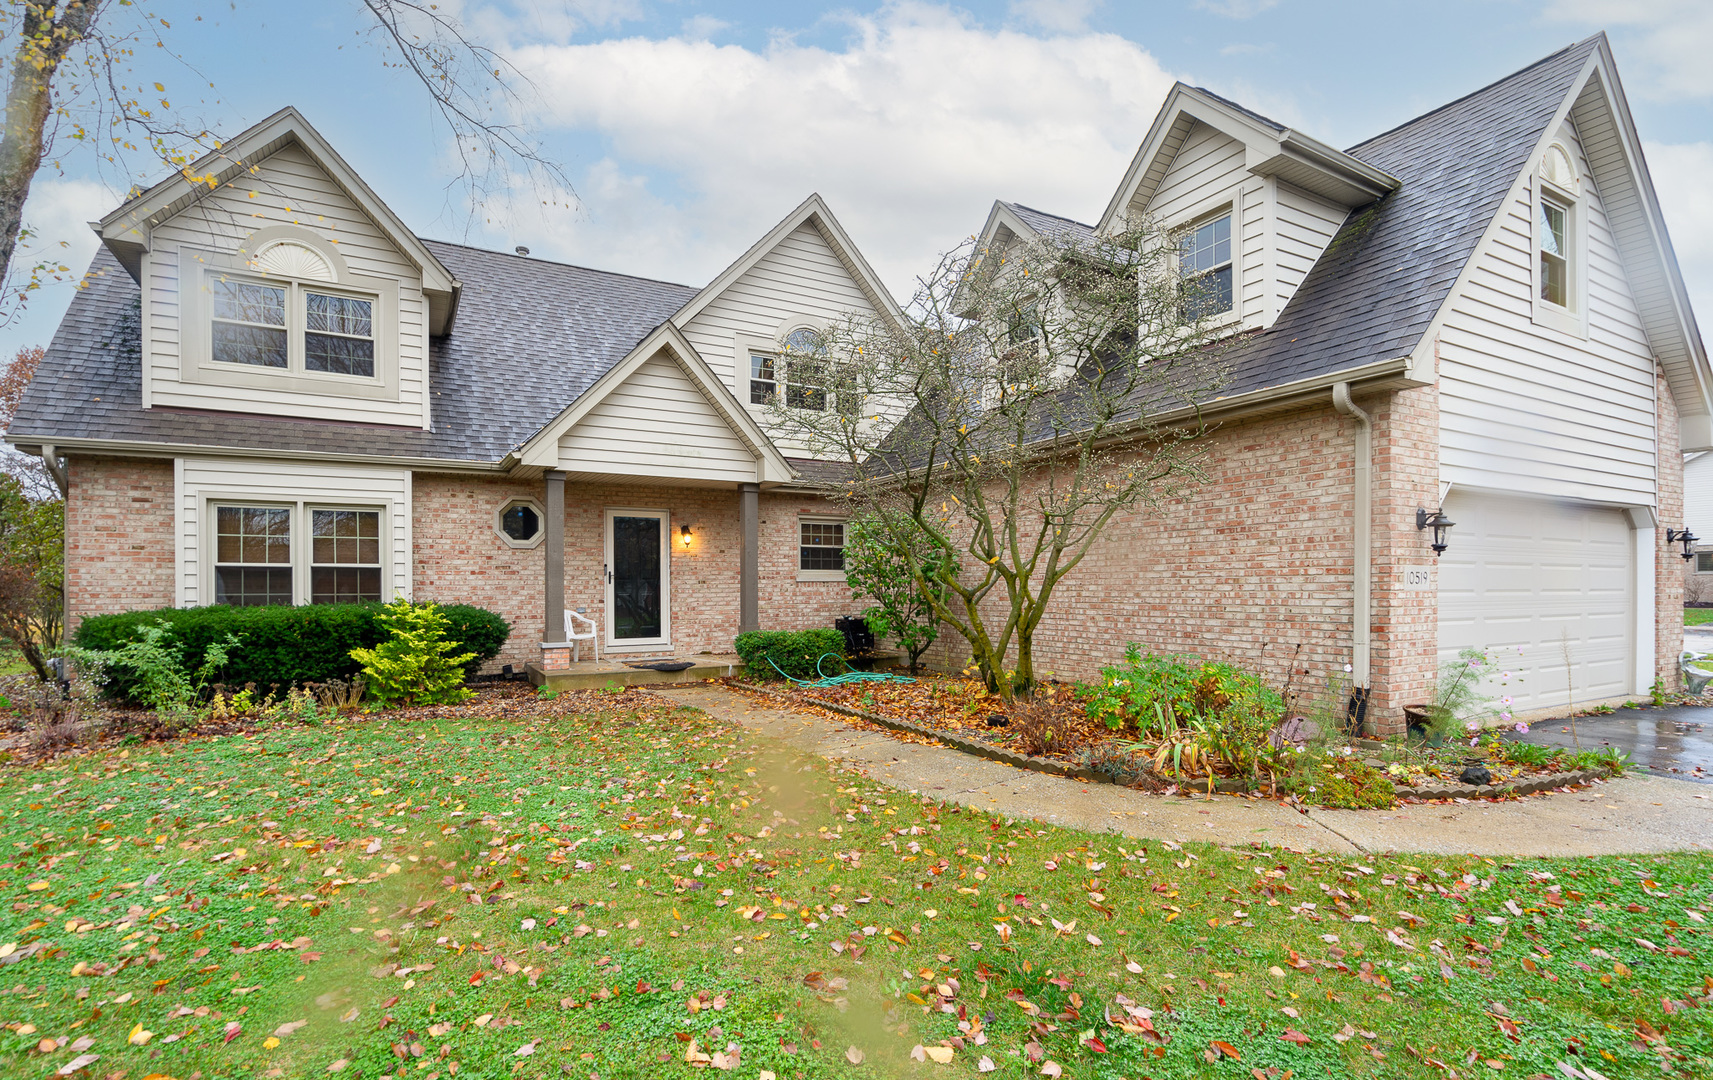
column 576, row 639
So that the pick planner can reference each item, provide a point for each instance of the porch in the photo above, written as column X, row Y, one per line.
column 600, row 674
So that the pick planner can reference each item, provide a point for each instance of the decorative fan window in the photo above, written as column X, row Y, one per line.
column 293, row 260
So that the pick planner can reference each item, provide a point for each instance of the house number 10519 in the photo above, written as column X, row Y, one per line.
column 1418, row 578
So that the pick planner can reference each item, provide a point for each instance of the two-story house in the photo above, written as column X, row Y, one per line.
column 271, row 391
column 1474, row 318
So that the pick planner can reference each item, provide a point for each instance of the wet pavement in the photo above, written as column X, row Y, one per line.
column 1675, row 742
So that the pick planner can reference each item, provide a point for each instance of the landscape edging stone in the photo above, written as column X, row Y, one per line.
column 1228, row 787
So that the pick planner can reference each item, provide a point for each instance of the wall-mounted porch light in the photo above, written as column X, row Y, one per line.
column 1684, row 537
column 684, row 534
column 1438, row 522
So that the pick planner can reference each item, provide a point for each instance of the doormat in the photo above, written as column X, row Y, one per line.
column 661, row 665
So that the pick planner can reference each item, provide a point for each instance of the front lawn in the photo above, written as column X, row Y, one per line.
column 1697, row 616
column 641, row 891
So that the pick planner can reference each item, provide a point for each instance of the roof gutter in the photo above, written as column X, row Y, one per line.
column 161, row 450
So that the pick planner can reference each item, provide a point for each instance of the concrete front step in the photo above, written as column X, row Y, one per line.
column 593, row 675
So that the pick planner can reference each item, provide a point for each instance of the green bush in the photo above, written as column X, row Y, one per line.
column 416, row 665
column 282, row 645
column 1162, row 694
column 794, row 651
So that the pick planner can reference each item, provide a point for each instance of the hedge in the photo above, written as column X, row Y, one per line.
column 794, row 651
column 284, row 645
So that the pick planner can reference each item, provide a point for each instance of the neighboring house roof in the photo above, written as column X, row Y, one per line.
column 1051, row 226
column 531, row 336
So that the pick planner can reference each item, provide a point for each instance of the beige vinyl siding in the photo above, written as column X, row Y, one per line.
column 657, row 423
column 288, row 188
column 1698, row 496
column 1530, row 409
column 199, row 481
column 1304, row 225
column 802, row 280
column 1209, row 170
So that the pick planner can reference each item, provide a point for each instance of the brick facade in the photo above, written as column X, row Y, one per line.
column 119, row 549
column 1668, row 576
column 460, row 558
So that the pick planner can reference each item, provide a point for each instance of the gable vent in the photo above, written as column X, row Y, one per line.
column 292, row 260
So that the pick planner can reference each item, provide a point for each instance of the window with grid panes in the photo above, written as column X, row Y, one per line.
column 345, row 556
column 252, row 555
column 1204, row 264
column 821, row 546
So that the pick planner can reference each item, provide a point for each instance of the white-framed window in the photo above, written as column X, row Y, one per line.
column 1559, row 241
column 1704, row 562
column 291, row 326
column 344, row 556
column 287, row 314
column 800, row 368
column 820, row 549
column 266, row 554
column 1206, row 268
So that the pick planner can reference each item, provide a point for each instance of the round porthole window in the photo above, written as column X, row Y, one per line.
column 520, row 522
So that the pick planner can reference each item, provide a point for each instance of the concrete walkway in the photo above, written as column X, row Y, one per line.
column 1631, row 815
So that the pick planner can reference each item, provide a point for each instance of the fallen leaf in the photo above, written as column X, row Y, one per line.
column 81, row 1061
column 1224, row 1049
column 985, row 1064
column 139, row 1037
column 853, row 1055
column 1292, row 1035
column 233, row 1030
column 1051, row 1068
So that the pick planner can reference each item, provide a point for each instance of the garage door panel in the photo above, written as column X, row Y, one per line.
column 1531, row 574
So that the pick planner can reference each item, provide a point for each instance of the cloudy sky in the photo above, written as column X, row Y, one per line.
column 688, row 127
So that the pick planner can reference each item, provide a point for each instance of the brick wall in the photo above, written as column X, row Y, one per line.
column 1668, row 574
column 1405, row 627
column 460, row 558
column 119, row 536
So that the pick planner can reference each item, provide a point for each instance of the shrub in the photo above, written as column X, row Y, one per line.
column 1341, row 781
column 1162, row 694
column 795, row 652
column 285, row 645
column 415, row 665
column 1041, row 729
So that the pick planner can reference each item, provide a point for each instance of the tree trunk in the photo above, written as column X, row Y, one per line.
column 47, row 33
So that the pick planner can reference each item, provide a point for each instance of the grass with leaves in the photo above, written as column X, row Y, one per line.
column 1697, row 616
column 634, row 890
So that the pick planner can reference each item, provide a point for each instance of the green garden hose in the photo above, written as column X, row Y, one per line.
column 851, row 675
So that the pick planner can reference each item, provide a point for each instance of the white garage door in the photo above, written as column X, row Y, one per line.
column 1533, row 574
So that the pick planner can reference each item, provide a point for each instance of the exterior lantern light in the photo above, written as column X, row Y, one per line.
column 684, row 534
column 1683, row 536
column 1438, row 522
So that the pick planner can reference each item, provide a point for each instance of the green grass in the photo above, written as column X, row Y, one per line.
column 539, row 881
column 1697, row 616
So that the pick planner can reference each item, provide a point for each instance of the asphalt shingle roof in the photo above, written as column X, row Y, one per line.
column 530, row 336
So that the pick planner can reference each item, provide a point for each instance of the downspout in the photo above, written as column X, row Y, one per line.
column 1364, row 527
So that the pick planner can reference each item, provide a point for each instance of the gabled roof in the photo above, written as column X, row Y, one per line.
column 125, row 231
column 1270, row 149
column 812, row 211
column 531, row 336
column 1028, row 223
column 542, row 448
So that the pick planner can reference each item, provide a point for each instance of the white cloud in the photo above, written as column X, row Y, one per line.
column 1059, row 16
column 58, row 213
column 910, row 130
column 1671, row 38
column 1680, row 172
column 1236, row 9
column 699, row 27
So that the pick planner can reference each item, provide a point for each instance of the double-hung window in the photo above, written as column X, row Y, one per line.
column 296, row 554
column 820, row 549
column 1555, row 251
column 1205, row 269
column 801, row 368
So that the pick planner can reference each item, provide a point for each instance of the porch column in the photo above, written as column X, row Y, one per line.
column 749, row 560
column 555, row 650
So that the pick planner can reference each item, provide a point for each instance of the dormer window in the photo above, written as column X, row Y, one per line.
column 1204, row 264
column 288, row 315
column 291, row 326
column 801, row 366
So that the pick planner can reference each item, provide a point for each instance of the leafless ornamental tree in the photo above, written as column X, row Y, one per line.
column 1028, row 397
column 74, row 84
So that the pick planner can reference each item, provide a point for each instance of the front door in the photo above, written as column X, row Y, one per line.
column 637, row 573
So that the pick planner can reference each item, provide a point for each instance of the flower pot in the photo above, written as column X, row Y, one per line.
column 1418, row 720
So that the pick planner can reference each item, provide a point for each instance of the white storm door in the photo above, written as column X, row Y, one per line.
column 638, row 572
